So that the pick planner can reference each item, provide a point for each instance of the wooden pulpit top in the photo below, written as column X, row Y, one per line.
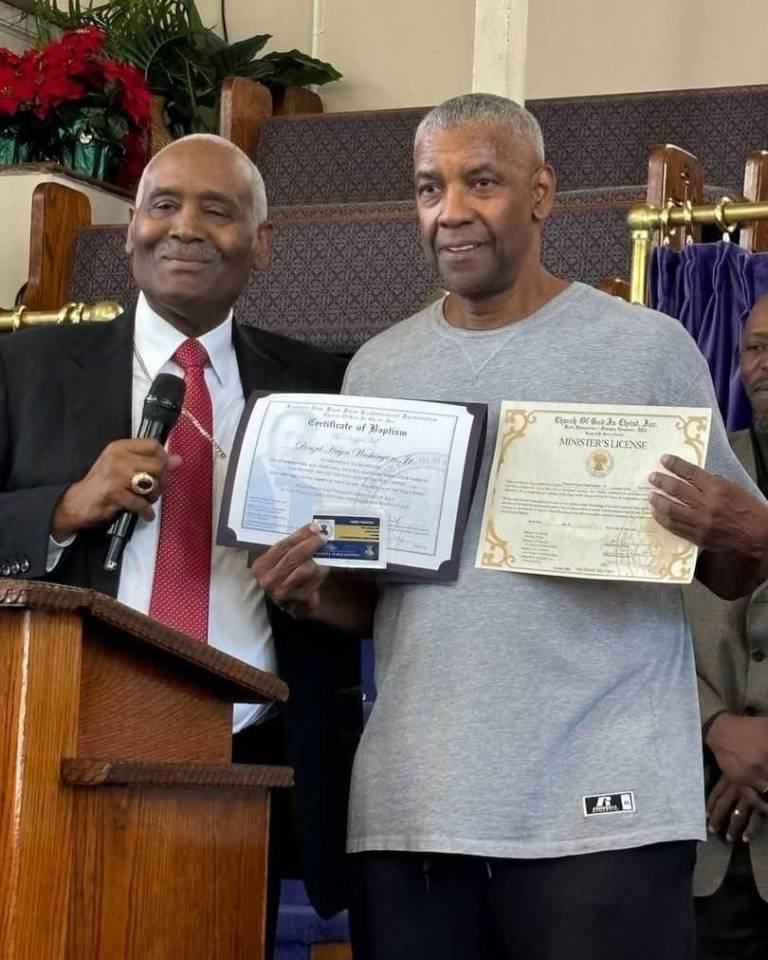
column 244, row 683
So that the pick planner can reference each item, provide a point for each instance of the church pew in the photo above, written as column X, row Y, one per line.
column 592, row 142
column 339, row 273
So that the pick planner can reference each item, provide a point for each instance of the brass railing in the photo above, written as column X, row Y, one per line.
column 645, row 219
column 100, row 312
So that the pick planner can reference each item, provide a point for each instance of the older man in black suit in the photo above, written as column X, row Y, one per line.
column 71, row 397
column 731, row 646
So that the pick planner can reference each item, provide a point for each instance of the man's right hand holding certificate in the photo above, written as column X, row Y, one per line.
column 724, row 520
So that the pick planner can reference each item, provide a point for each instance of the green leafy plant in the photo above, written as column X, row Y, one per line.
column 182, row 60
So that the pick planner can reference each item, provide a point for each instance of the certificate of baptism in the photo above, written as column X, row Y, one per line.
column 568, row 491
column 389, row 482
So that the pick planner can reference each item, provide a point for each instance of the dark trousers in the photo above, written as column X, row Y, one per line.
column 621, row 905
column 263, row 743
column 732, row 924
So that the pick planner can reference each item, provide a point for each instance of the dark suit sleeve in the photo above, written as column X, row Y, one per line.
column 316, row 371
column 323, row 724
column 323, row 715
column 25, row 514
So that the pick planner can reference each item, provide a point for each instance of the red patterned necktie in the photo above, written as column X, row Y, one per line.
column 182, row 580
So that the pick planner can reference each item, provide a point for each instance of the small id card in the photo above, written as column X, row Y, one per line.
column 354, row 539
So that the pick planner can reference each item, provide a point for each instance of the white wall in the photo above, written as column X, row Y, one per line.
column 393, row 54
column 289, row 21
column 397, row 53
column 15, row 33
column 605, row 46
column 414, row 52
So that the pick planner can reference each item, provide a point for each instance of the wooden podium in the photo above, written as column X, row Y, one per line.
column 125, row 831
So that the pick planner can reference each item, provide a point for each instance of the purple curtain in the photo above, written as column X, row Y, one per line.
column 710, row 288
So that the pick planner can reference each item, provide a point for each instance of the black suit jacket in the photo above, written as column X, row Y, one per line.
column 65, row 393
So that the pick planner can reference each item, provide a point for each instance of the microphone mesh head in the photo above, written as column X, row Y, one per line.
column 165, row 399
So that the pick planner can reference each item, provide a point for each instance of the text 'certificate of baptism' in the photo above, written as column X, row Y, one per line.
column 388, row 481
column 568, row 492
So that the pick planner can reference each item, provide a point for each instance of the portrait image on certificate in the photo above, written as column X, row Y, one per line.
column 388, row 481
column 568, row 491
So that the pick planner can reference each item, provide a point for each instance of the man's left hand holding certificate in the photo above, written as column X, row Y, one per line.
column 388, row 482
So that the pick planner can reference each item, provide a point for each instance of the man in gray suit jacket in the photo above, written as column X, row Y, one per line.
column 731, row 645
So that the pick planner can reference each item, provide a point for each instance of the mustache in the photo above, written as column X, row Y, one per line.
column 202, row 250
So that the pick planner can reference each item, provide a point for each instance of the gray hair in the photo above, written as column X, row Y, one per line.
column 251, row 171
column 484, row 109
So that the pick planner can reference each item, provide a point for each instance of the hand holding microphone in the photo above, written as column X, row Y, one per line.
column 107, row 489
column 161, row 411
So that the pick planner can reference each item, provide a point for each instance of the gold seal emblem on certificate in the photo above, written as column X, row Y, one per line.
column 599, row 463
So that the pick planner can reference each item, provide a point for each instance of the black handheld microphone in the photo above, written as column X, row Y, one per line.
column 161, row 411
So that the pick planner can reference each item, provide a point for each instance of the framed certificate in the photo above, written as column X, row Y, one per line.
column 393, row 478
column 568, row 492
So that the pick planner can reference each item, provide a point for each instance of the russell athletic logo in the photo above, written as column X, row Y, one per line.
column 609, row 803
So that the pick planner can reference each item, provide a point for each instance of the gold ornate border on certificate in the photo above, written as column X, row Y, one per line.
column 517, row 422
column 659, row 559
column 693, row 428
column 679, row 568
column 498, row 554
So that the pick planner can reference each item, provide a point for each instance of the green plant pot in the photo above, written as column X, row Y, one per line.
column 86, row 153
column 15, row 147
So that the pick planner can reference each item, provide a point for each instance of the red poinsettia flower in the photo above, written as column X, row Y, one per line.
column 57, row 85
column 77, row 52
column 16, row 89
column 135, row 146
column 136, row 104
column 83, row 42
column 70, row 81
column 134, row 97
column 54, row 56
column 8, row 58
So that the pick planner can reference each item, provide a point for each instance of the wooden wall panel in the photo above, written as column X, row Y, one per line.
column 244, row 104
column 296, row 100
column 58, row 212
column 754, row 236
column 674, row 174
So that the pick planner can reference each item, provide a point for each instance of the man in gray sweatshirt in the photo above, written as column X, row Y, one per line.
column 505, row 703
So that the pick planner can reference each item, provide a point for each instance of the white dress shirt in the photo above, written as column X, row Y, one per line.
column 238, row 622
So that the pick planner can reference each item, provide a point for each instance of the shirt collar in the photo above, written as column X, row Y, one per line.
column 156, row 340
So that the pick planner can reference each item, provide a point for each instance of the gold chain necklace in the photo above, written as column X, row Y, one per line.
column 220, row 452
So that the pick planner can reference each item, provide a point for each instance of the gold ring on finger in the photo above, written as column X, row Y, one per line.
column 143, row 483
